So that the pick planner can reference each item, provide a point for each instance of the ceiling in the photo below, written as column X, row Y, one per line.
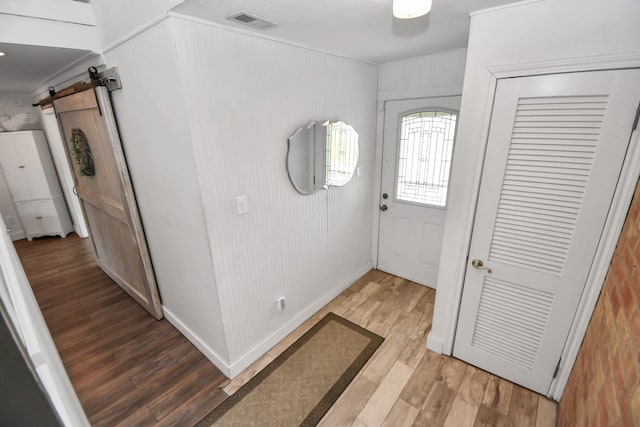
column 24, row 67
column 363, row 29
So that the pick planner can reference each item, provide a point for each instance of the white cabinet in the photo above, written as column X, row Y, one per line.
column 33, row 184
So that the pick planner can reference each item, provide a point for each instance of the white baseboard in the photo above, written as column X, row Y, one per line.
column 434, row 343
column 254, row 354
column 17, row 235
column 197, row 341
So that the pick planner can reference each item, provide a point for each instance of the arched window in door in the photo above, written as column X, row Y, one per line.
column 424, row 157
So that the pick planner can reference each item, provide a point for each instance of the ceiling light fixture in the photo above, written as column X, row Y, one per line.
column 1, row 53
column 407, row 9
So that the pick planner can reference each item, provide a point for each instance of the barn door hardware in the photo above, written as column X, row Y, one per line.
column 109, row 78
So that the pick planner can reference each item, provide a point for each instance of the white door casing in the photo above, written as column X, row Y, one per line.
column 63, row 169
column 410, row 234
column 555, row 151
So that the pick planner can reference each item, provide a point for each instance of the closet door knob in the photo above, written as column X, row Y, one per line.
column 21, row 166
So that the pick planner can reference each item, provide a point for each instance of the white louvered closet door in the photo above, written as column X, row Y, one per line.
column 555, row 150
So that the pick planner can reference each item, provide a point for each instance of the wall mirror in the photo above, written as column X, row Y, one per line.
column 322, row 155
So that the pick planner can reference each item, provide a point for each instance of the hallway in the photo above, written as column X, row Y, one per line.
column 126, row 367
column 129, row 369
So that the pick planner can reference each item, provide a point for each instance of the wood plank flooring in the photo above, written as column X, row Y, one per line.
column 404, row 384
column 127, row 368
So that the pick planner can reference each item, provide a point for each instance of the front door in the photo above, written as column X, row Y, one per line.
column 416, row 159
column 554, row 154
column 104, row 187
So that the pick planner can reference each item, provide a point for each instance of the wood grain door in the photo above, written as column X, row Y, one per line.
column 556, row 147
column 107, row 196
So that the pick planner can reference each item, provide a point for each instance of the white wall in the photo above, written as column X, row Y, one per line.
column 118, row 18
column 54, row 23
column 526, row 33
column 151, row 114
column 432, row 75
column 18, row 104
column 427, row 76
column 245, row 96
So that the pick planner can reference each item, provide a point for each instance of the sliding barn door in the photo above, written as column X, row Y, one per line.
column 104, row 187
column 555, row 151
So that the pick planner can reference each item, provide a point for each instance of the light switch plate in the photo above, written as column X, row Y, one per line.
column 241, row 205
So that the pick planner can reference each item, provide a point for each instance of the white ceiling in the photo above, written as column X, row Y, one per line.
column 24, row 67
column 363, row 29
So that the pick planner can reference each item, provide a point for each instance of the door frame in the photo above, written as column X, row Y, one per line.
column 56, row 146
column 377, row 166
column 377, row 220
column 611, row 232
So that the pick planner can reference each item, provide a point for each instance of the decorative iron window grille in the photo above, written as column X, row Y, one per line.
column 424, row 157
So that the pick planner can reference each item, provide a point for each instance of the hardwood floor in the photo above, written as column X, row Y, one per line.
column 127, row 368
column 404, row 384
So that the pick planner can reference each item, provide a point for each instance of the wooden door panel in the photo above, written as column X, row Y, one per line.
column 107, row 196
column 117, row 253
column 109, row 186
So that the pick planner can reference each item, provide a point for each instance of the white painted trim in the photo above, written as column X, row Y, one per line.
column 444, row 344
column 377, row 183
column 198, row 342
column 252, row 355
column 263, row 36
column 434, row 344
column 569, row 65
column 503, row 6
column 600, row 267
column 144, row 27
column 17, row 235
column 609, row 238
column 71, row 12
column 32, row 330
column 436, row 92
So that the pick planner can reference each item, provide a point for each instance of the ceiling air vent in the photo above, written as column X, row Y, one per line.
column 252, row 21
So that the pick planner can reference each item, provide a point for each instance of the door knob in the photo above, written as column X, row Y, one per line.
column 477, row 263
column 384, row 207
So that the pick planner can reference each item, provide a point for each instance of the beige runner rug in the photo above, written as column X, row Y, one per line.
column 301, row 384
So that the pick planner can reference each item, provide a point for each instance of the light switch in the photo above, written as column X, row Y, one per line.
column 241, row 205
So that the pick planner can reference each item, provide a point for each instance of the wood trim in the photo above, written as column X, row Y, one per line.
column 47, row 102
column 83, row 100
column 104, row 103
column 103, row 205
